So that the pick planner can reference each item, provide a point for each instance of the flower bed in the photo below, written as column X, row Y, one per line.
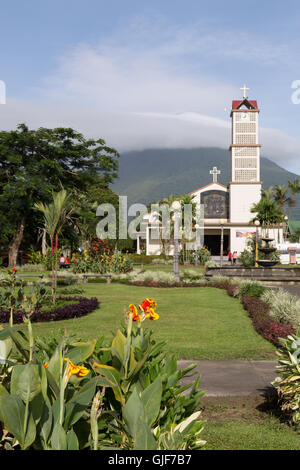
column 83, row 306
column 258, row 311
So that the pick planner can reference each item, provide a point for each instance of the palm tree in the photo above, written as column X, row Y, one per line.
column 280, row 195
column 268, row 212
column 294, row 187
column 267, row 193
column 55, row 216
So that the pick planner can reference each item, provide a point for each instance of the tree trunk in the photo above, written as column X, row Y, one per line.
column 44, row 243
column 15, row 244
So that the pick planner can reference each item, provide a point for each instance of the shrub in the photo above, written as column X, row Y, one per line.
column 248, row 288
column 264, row 325
column 232, row 290
column 284, row 307
column 75, row 307
column 30, row 268
column 288, row 384
column 211, row 264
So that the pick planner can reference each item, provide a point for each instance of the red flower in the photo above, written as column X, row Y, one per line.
column 14, row 270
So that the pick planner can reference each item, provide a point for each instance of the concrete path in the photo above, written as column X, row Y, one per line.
column 233, row 378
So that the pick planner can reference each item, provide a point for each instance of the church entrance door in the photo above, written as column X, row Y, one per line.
column 213, row 243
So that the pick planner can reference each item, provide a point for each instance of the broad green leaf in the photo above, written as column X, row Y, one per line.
column 79, row 403
column 26, row 381
column 59, row 438
column 151, row 399
column 5, row 348
column 12, row 410
column 113, row 376
column 45, row 423
column 14, row 334
column 118, row 344
column 144, row 439
column 72, row 441
column 55, row 364
column 79, row 352
column 133, row 413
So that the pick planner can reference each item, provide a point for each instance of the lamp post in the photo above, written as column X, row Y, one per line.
column 286, row 226
column 197, row 226
column 257, row 224
column 222, row 221
column 176, row 206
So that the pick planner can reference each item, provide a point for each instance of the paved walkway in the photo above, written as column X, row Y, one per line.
column 233, row 378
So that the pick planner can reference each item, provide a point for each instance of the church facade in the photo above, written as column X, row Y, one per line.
column 227, row 209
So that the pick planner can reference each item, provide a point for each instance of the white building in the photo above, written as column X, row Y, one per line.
column 227, row 208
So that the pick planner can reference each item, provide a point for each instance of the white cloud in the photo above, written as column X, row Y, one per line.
column 138, row 94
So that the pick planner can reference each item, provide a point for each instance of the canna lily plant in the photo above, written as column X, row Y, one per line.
column 72, row 395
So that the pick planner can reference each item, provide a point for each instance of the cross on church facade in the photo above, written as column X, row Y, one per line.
column 244, row 88
column 215, row 172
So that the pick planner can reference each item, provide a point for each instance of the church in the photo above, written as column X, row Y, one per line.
column 227, row 209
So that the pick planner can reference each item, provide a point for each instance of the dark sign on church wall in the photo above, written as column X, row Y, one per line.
column 216, row 204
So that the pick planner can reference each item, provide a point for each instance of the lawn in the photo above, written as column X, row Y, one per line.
column 245, row 423
column 197, row 323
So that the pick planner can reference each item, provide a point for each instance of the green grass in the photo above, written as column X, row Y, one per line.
column 232, row 435
column 246, row 423
column 197, row 323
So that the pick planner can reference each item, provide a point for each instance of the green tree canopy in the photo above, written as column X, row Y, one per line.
column 34, row 163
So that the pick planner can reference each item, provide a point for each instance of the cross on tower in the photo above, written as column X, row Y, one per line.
column 215, row 172
column 244, row 88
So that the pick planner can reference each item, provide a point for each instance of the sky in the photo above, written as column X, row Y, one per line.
column 153, row 74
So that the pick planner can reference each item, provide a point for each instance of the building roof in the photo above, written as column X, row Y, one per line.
column 250, row 104
column 207, row 185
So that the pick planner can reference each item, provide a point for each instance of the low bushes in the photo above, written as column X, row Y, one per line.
column 262, row 322
column 75, row 307
column 284, row 307
column 288, row 383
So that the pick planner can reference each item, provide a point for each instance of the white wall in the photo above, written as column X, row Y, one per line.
column 242, row 198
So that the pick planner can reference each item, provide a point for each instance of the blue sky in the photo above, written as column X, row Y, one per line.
column 153, row 73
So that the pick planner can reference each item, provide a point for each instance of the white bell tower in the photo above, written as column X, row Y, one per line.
column 245, row 185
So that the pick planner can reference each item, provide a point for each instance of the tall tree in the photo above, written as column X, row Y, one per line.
column 280, row 195
column 294, row 187
column 34, row 163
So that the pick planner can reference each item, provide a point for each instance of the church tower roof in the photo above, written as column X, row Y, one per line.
column 250, row 104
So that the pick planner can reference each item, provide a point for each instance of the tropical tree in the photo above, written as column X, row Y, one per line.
column 268, row 212
column 267, row 193
column 56, row 215
column 294, row 187
column 34, row 163
column 280, row 195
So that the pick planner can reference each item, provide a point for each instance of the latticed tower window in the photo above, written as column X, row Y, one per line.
column 245, row 152
column 245, row 163
column 245, row 139
column 245, row 175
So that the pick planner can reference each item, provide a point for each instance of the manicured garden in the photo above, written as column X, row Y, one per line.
column 193, row 326
column 197, row 322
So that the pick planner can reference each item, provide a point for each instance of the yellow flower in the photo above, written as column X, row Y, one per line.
column 73, row 369
column 135, row 315
column 151, row 314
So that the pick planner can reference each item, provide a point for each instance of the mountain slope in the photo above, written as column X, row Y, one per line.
column 149, row 175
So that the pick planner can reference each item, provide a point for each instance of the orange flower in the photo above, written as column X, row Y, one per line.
column 151, row 314
column 148, row 303
column 73, row 369
column 135, row 314
column 46, row 364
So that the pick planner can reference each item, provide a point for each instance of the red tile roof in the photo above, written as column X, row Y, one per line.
column 237, row 103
